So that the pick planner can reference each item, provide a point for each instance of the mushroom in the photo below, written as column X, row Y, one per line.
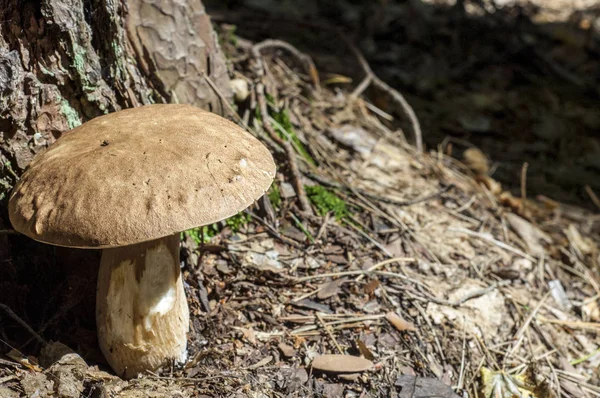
column 128, row 183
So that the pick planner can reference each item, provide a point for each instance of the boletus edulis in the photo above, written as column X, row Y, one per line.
column 128, row 183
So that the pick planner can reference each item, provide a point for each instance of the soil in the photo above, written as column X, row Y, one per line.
column 449, row 272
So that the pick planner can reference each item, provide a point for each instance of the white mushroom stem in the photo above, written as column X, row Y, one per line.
column 141, row 312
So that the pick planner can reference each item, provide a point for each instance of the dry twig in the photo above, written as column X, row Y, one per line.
column 425, row 198
column 372, row 78
column 306, row 61
column 21, row 322
column 289, row 150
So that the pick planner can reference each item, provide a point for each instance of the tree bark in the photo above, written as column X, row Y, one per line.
column 63, row 62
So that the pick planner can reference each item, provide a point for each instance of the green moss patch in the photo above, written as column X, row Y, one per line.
column 326, row 201
column 205, row 233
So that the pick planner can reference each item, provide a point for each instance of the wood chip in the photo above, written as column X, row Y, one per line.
column 261, row 363
column 287, row 350
column 400, row 323
column 334, row 363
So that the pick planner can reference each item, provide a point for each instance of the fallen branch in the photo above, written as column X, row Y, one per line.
column 304, row 59
column 273, row 231
column 372, row 78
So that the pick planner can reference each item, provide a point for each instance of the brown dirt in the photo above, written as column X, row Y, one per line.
column 477, row 277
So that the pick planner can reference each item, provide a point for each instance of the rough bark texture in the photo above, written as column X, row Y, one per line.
column 63, row 62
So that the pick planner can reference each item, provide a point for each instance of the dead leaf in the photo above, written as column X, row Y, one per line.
column 335, row 363
column 364, row 350
column 330, row 289
column 501, row 384
column 18, row 356
column 370, row 287
column 399, row 323
column 583, row 245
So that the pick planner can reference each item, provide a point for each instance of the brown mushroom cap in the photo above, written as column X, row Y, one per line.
column 138, row 175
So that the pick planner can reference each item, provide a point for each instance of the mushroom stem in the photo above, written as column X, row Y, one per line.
column 141, row 311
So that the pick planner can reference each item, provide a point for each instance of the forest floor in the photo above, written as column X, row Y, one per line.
column 445, row 279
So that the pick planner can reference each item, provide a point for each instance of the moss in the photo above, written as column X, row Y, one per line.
column 238, row 221
column 70, row 113
column 275, row 195
column 286, row 130
column 205, row 233
column 326, row 201
column 228, row 36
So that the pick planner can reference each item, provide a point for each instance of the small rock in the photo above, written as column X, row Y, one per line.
column 335, row 363
column 372, row 307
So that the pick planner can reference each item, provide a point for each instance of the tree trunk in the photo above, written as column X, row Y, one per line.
column 63, row 62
